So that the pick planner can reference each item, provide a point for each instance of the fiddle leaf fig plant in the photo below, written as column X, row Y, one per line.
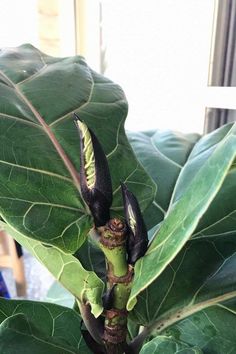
column 139, row 228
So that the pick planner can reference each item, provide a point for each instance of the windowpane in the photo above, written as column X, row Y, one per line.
column 159, row 52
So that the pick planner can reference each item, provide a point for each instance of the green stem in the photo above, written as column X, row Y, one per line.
column 113, row 244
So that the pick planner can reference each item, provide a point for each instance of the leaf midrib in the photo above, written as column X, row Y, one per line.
column 167, row 320
column 228, row 138
column 162, row 154
column 189, row 187
column 68, row 164
column 200, row 234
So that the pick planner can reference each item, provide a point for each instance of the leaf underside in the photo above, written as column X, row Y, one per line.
column 83, row 284
column 213, row 330
column 168, row 345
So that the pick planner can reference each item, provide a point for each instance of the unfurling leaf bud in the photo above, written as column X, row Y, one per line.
column 95, row 177
column 138, row 239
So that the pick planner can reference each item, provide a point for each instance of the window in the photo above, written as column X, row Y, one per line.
column 222, row 73
column 172, row 58
column 161, row 53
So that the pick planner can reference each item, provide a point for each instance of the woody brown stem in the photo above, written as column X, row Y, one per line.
column 113, row 244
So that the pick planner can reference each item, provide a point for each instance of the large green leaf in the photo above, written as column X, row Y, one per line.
column 191, row 308
column 199, row 155
column 214, row 236
column 200, row 276
column 168, row 345
column 208, row 167
column 82, row 284
column 39, row 144
column 213, row 330
column 28, row 327
column 220, row 217
column 163, row 155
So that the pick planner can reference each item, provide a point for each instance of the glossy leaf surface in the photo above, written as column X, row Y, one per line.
column 163, row 154
column 200, row 276
column 39, row 144
column 168, row 345
column 213, row 330
column 28, row 327
column 207, row 167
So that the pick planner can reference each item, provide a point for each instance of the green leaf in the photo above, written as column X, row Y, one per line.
column 213, row 330
column 82, row 284
column 163, row 155
column 220, row 217
column 168, row 345
column 201, row 276
column 133, row 328
column 212, row 245
column 209, row 166
column 28, row 327
column 92, row 258
column 39, row 144
column 199, row 155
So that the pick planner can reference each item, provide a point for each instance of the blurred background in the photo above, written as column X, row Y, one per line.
column 175, row 61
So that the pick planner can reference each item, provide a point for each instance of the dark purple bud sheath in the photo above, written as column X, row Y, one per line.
column 138, row 239
column 91, row 343
column 95, row 179
column 108, row 298
column 95, row 326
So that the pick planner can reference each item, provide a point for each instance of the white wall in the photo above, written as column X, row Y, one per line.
column 18, row 22
column 52, row 30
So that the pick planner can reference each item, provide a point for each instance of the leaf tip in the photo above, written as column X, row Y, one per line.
column 77, row 118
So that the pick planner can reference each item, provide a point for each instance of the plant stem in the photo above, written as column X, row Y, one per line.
column 113, row 244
